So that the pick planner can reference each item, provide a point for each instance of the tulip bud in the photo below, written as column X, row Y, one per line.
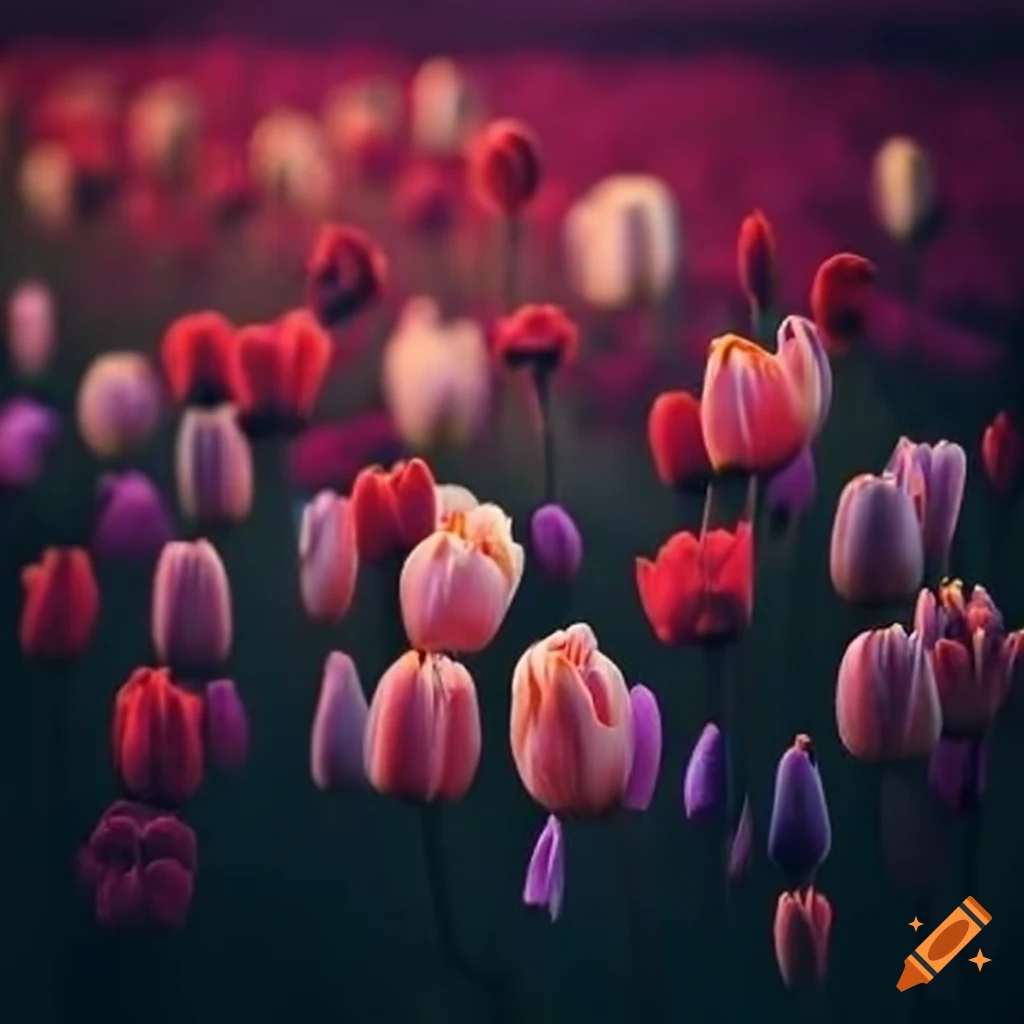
column 363, row 123
column 545, row 877
column 47, row 185
column 328, row 557
column 791, row 491
column 118, row 403
column 676, row 440
column 163, row 128
column 904, row 188
column 756, row 261
column 31, row 328
column 345, row 272
column 445, row 108
column 27, row 432
column 801, row 351
column 213, row 466
column 542, row 337
column 62, row 604
column 289, row 160
column 393, row 509
column 1002, row 454
column 803, row 925
column 227, row 725
column 643, row 774
column 556, row 542
column 339, row 728
column 505, row 168
column 839, row 299
column 132, row 521
column 704, row 782
column 742, row 847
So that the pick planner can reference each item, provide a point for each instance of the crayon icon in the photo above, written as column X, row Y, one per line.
column 943, row 944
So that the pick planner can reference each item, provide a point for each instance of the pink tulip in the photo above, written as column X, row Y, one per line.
column 572, row 724
column 803, row 924
column 457, row 583
column 328, row 559
column 422, row 737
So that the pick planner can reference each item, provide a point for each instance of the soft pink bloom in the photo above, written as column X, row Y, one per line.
column 328, row 557
column 803, row 924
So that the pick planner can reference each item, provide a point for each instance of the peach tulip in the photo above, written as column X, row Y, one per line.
column 457, row 583
column 571, row 728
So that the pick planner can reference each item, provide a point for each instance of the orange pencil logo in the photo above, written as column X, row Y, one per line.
column 943, row 944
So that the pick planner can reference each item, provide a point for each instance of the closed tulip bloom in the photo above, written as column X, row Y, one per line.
column 958, row 772
column 800, row 834
column 328, row 557
column 934, row 477
column 556, row 542
column 200, row 360
column 191, row 620
column 647, row 743
column 46, row 185
column 877, row 553
column 61, row 606
column 158, row 738
column 704, row 781
column 458, row 583
column 756, row 260
column 539, row 336
column 904, row 187
column 345, row 272
column 623, row 242
column 753, row 415
column 290, row 160
column 571, row 724
column 226, row 724
column 839, row 299
column 394, row 509
column 505, row 168
column 213, row 466
column 741, row 849
column 445, row 108
column 801, row 932
column 339, row 727
column 545, row 876
column 132, row 521
column 363, row 123
column 1002, row 454
column 436, row 376
column 422, row 737
column 802, row 352
column 972, row 654
column 163, row 127
column 887, row 703
column 31, row 328
column 27, row 433
column 699, row 588
column 676, row 440
column 790, row 492
column 118, row 403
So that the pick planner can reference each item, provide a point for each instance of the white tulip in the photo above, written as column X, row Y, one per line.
column 446, row 109
column 31, row 328
column 164, row 123
column 436, row 376
column 623, row 241
column 904, row 187
column 288, row 156
column 46, row 183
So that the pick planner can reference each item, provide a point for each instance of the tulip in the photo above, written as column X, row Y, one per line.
column 426, row 204
column 213, row 466
column 339, row 727
column 345, row 273
column 138, row 866
column 647, row 743
column 623, row 242
column 556, row 542
column 545, row 877
column 887, row 703
column 225, row 184
column 363, row 123
column 791, row 491
column 62, row 604
column 839, row 299
column 422, row 738
column 933, row 477
column 393, row 509
column 289, row 160
column 1002, row 454
column 505, row 168
column 118, row 403
column 699, row 588
column 742, row 847
column 704, row 782
column 571, row 724
column 877, row 553
column 754, row 416
column 800, row 834
column 131, row 519
column 972, row 655
column 27, row 432
column 227, row 725
column 904, row 187
column 454, row 498
column 445, row 108
column 328, row 557
column 46, row 184
column 802, row 352
column 191, row 620
column 163, row 127
column 676, row 440
column 958, row 772
column 31, row 328
column 158, row 738
column 436, row 376
column 542, row 337
column 200, row 360
column 756, row 261
column 803, row 924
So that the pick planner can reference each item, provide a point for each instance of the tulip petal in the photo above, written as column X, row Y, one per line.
column 704, row 782
column 227, row 725
column 742, row 847
column 647, row 742
column 545, row 876
column 120, row 899
column 339, row 728
column 168, row 893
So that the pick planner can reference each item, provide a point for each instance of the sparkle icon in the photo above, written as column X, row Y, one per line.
column 980, row 960
column 915, row 924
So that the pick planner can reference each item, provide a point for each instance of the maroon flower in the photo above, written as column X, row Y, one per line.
column 345, row 272
column 540, row 336
column 505, row 168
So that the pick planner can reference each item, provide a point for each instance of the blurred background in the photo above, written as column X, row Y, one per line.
column 160, row 158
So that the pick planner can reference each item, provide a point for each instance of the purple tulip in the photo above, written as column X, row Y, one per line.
column 958, row 772
column 791, row 491
column 800, row 834
column 336, row 747
column 742, row 847
column 704, row 784
column 132, row 521
column 213, row 466
column 27, row 431
column 227, row 725
column 545, row 877
column 557, row 543
column 643, row 776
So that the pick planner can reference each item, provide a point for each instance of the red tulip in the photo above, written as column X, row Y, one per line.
column 200, row 359
column 425, row 202
column 345, row 272
column 158, row 738
column 541, row 336
column 699, row 588
column 62, row 604
column 393, row 509
column 677, row 441
column 505, row 167
column 1002, row 453
column 839, row 298
column 755, row 257
column 803, row 924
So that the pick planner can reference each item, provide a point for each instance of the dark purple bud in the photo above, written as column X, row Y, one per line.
column 545, row 876
column 168, row 893
column 704, row 784
column 132, row 521
column 742, row 848
column 643, row 776
column 227, row 725
column 336, row 745
column 958, row 772
column 556, row 541
column 791, row 491
column 27, row 430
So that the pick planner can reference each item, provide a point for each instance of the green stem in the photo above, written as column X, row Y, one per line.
column 542, row 384
column 510, row 265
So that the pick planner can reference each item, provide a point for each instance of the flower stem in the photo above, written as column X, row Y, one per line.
column 542, row 385
column 510, row 265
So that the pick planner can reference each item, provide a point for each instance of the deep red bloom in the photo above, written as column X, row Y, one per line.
column 677, row 440
column 839, row 298
column 200, row 359
column 1002, row 453
column 425, row 201
column 62, row 604
column 700, row 588
column 756, row 260
column 158, row 738
column 393, row 509
column 283, row 367
column 345, row 272
column 540, row 336
column 505, row 167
